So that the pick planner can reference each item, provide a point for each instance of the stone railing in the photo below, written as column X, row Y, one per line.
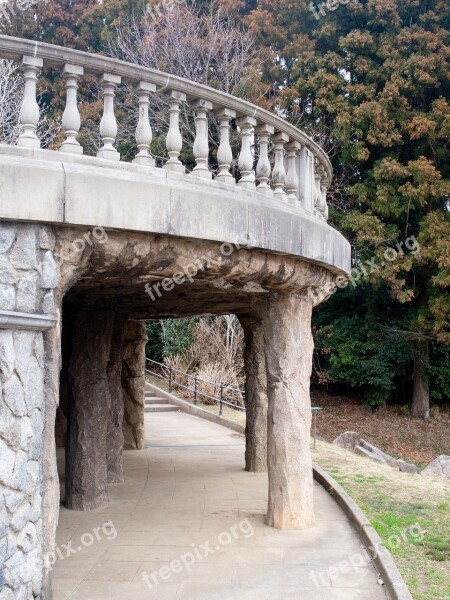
column 299, row 173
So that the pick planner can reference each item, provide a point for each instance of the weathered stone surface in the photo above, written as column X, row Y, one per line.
column 26, row 540
column 348, row 440
column 15, row 570
column 26, row 297
column 7, row 297
column 9, row 426
column 407, row 467
column 3, row 547
column 48, row 303
column 286, row 321
column 7, row 236
column 7, row 355
column 256, row 400
column 49, row 277
column 21, row 390
column 24, row 252
column 440, row 466
column 7, row 459
column 133, row 384
column 26, row 434
column 14, row 397
column 89, row 399
column 37, row 425
column 368, row 454
column 12, row 499
column 3, row 521
column 7, row 273
column 47, row 239
column 21, row 480
column 20, row 517
column 115, row 439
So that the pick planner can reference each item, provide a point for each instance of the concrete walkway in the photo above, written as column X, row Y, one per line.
column 191, row 519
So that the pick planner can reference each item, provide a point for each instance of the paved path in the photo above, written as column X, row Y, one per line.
column 188, row 500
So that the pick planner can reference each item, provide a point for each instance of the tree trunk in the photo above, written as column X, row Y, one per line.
column 421, row 394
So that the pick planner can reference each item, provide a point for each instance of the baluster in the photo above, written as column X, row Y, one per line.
column 29, row 112
column 324, row 188
column 174, row 141
column 224, row 153
column 321, row 180
column 263, row 166
column 108, row 125
column 307, row 183
column 71, row 120
column 292, row 180
column 279, row 171
column 245, row 157
column 144, row 133
column 201, row 144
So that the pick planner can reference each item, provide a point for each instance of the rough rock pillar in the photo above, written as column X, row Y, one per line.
column 133, row 384
column 88, row 411
column 288, row 349
column 114, row 439
column 255, row 396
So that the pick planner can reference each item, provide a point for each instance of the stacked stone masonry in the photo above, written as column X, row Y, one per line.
column 28, row 276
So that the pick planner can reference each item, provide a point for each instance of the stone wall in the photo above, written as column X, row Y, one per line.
column 28, row 276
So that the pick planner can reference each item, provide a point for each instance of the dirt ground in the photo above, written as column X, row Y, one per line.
column 413, row 440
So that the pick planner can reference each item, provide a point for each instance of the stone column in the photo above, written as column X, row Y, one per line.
column 133, row 384
column 288, row 349
column 88, row 411
column 114, row 440
column 255, row 396
column 28, row 276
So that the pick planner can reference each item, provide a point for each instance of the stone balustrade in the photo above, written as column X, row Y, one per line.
column 275, row 159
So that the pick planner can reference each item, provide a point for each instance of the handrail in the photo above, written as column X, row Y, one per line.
column 55, row 56
column 197, row 392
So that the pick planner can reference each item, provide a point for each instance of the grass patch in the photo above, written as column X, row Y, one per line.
column 410, row 513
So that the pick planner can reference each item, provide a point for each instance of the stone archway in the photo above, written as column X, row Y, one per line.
column 106, row 283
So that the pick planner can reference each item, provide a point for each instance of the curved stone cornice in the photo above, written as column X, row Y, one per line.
column 51, row 187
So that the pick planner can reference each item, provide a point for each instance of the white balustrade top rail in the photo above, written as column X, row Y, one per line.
column 299, row 174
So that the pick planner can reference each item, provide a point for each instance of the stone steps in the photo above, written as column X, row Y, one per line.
column 155, row 400
column 160, row 408
column 154, row 403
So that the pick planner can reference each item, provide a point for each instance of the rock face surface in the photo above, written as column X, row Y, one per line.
column 133, row 384
column 348, row 440
column 351, row 441
column 28, row 276
column 289, row 349
column 88, row 411
column 256, row 401
column 440, row 466
column 114, row 440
